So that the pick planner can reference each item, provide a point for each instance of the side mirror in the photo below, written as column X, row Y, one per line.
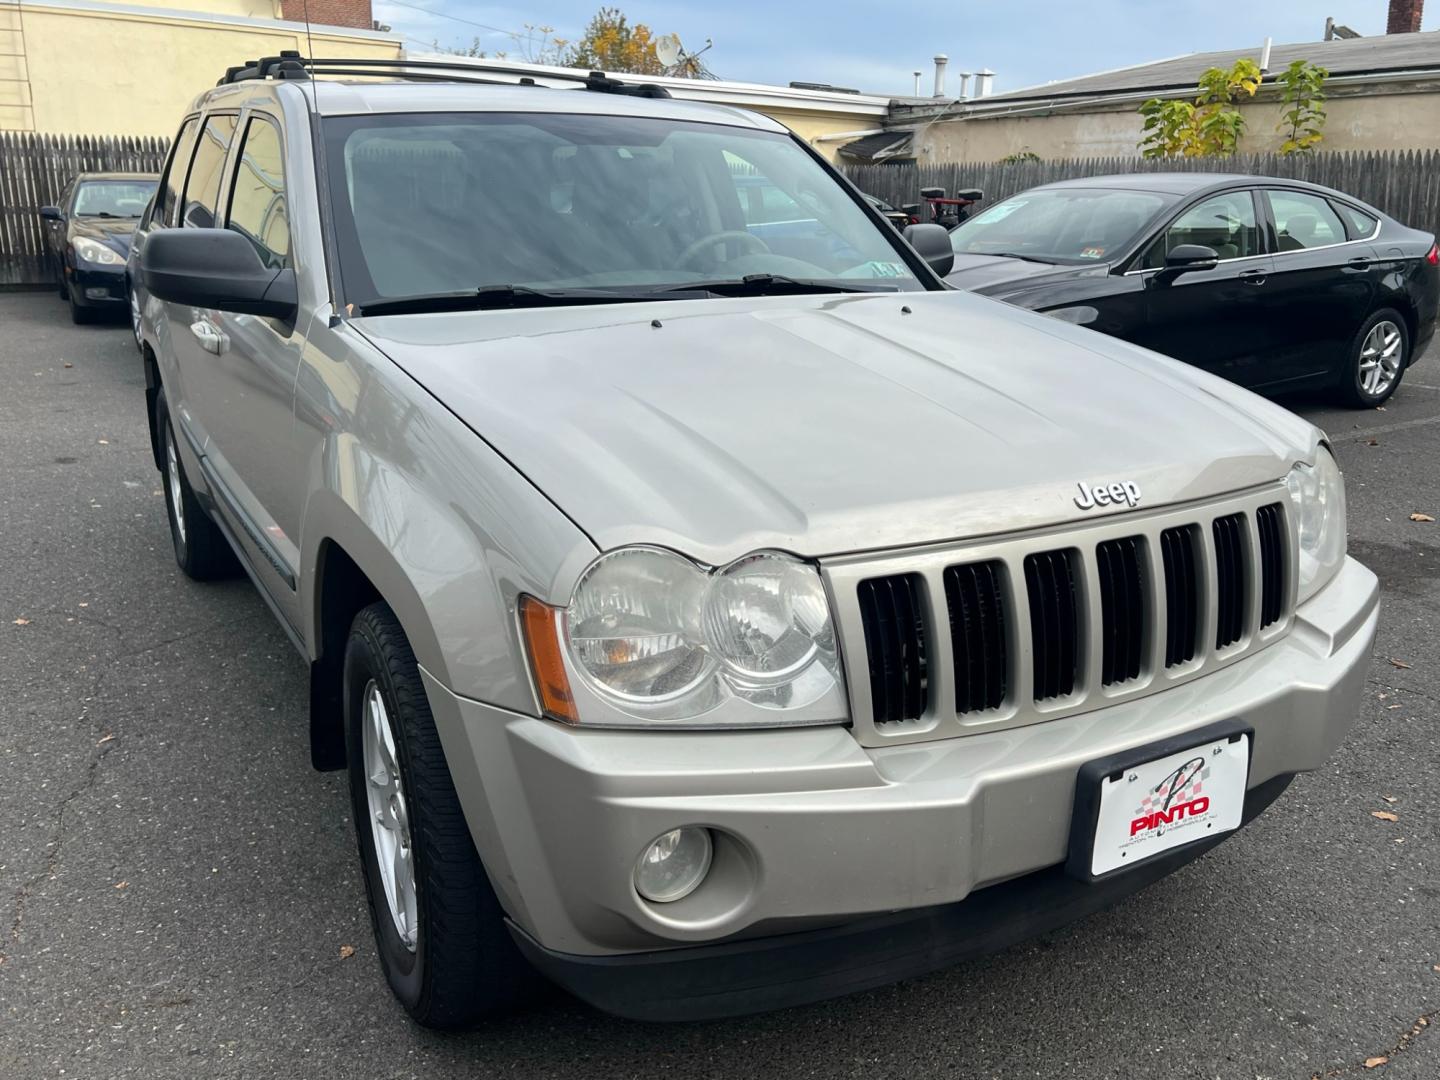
column 215, row 268
column 51, row 213
column 1186, row 258
column 932, row 243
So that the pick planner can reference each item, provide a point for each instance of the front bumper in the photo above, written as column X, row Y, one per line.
column 814, row 831
column 97, row 286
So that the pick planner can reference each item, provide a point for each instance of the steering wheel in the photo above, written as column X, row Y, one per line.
column 749, row 239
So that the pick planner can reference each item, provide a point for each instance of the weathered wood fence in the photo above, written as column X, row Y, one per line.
column 1404, row 184
column 33, row 170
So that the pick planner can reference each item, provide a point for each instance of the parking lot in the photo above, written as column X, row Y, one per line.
column 182, row 896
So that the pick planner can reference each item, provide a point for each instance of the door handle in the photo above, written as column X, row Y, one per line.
column 1360, row 262
column 211, row 339
column 1253, row 277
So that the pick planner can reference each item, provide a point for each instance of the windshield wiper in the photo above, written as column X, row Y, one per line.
column 97, row 213
column 768, row 285
column 493, row 296
column 1015, row 255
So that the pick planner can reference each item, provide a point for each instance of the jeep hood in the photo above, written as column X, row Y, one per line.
column 830, row 424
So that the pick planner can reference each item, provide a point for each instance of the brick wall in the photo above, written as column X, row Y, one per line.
column 355, row 13
column 1404, row 16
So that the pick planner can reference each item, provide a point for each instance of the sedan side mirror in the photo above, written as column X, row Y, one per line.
column 51, row 213
column 1187, row 258
column 216, row 268
column 932, row 243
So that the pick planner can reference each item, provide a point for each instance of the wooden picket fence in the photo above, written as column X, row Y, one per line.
column 1404, row 184
column 35, row 168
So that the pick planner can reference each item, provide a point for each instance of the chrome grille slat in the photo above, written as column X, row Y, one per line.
column 1012, row 630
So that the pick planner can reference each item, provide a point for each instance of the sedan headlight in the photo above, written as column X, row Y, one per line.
column 1317, row 498
column 652, row 637
column 93, row 251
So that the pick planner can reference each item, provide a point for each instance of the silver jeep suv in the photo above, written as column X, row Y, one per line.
column 713, row 611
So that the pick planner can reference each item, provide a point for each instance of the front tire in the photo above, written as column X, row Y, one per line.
column 1378, row 356
column 201, row 549
column 80, row 316
column 439, row 929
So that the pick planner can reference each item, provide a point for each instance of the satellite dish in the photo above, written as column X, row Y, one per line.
column 668, row 49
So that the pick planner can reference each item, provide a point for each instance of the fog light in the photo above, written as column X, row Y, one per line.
column 673, row 865
column 94, row 293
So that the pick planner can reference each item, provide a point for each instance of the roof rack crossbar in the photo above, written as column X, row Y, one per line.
column 291, row 64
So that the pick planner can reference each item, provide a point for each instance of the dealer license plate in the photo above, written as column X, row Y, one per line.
column 1150, row 808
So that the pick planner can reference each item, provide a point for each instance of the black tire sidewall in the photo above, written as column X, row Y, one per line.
column 404, row 970
column 1353, row 391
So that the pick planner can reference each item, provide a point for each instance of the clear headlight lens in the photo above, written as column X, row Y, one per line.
column 665, row 639
column 1317, row 498
column 96, row 252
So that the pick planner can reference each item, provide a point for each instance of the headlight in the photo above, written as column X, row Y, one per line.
column 96, row 252
column 1317, row 498
column 655, row 637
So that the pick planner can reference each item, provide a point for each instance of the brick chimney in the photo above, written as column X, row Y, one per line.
column 356, row 13
column 1404, row 16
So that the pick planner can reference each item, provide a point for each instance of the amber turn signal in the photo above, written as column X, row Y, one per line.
column 542, row 641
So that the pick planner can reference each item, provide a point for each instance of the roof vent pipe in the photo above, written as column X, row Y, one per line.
column 984, row 78
column 917, row 75
column 940, row 61
column 964, row 83
column 1265, row 57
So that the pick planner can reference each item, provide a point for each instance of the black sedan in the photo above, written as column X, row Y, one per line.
column 1275, row 284
column 87, row 239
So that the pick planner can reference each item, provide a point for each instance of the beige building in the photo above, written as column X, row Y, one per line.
column 86, row 67
column 1383, row 93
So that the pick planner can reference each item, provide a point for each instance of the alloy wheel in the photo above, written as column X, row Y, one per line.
column 135, row 317
column 389, row 815
column 177, row 490
column 1380, row 358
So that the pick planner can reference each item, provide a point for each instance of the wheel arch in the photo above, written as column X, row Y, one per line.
column 152, row 393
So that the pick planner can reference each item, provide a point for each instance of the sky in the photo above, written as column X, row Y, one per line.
column 875, row 48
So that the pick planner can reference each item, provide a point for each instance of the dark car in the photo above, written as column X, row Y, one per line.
column 1274, row 284
column 899, row 218
column 87, row 239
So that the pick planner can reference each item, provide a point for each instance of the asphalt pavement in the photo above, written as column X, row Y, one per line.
column 179, row 892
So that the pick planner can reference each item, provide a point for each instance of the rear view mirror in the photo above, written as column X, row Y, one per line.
column 932, row 243
column 215, row 268
column 51, row 213
column 1186, row 258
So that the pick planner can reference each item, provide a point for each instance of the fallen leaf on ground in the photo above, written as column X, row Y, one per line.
column 1384, row 815
column 1436, row 968
column 1376, row 1062
column 347, row 951
column 122, row 884
column 105, row 738
column 1421, row 517
column 69, row 365
column 103, row 442
column 1390, row 798
column 84, row 603
column 1398, row 663
column 1392, row 706
column 1372, row 442
column 22, row 622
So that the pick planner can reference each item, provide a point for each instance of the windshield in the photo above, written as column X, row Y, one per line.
column 113, row 198
column 431, row 204
column 1067, row 225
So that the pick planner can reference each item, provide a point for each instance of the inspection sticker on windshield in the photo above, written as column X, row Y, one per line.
column 1191, row 795
column 885, row 269
column 1092, row 252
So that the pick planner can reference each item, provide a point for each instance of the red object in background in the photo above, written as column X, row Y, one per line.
column 1434, row 257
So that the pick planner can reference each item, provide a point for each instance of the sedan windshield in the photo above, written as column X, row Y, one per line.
column 113, row 198
column 565, row 208
column 1065, row 225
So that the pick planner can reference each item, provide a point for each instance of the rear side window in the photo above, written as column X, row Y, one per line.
column 1304, row 221
column 202, row 188
column 257, row 196
column 1360, row 224
column 175, row 171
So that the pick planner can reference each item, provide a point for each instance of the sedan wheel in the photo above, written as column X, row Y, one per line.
column 1379, row 353
column 135, row 318
column 1380, row 358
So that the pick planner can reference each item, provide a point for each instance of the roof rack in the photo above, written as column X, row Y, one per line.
column 290, row 64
